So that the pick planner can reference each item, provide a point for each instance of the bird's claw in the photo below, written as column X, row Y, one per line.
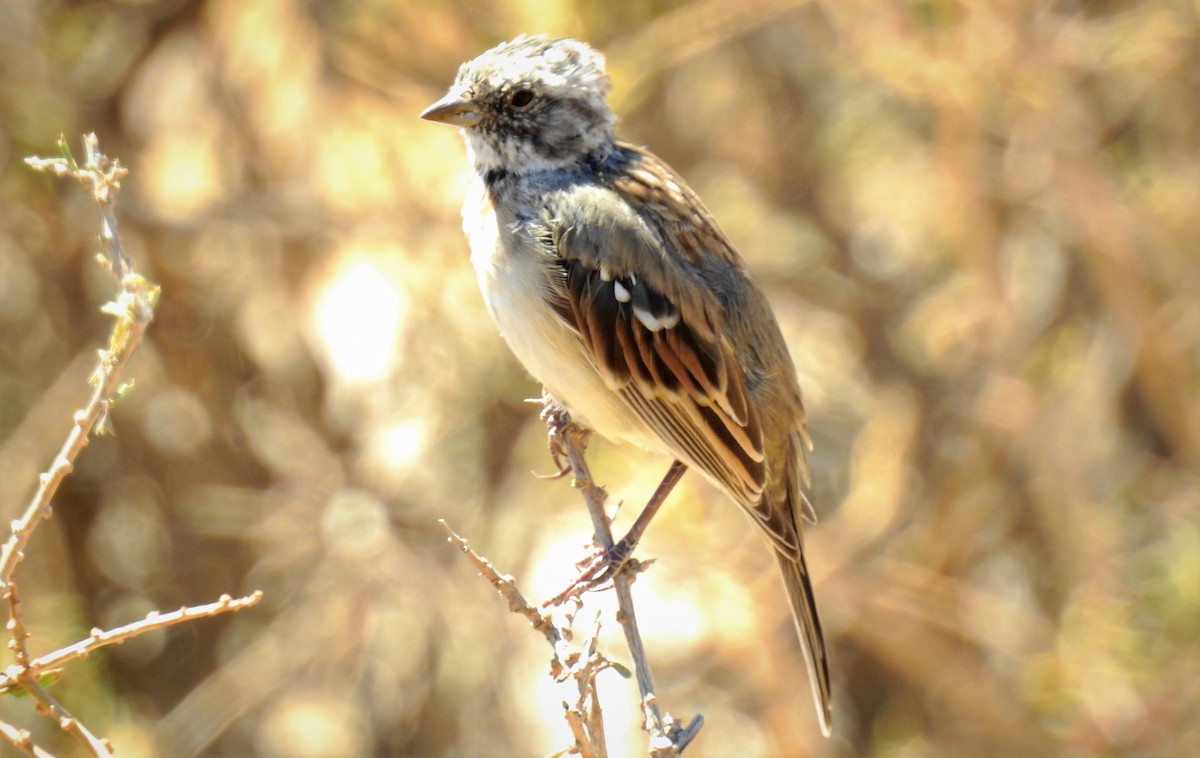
column 558, row 423
column 563, row 470
column 597, row 571
column 557, row 427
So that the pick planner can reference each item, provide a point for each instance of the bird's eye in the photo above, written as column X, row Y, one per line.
column 521, row 98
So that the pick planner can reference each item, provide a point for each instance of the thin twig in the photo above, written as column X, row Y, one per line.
column 101, row 176
column 134, row 310
column 580, row 732
column 585, row 719
column 66, row 721
column 100, row 638
column 588, row 704
column 16, row 627
column 28, row 680
column 20, row 740
column 106, row 380
column 506, row 586
column 667, row 737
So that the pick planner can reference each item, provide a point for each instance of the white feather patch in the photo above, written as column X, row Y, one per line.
column 621, row 293
column 653, row 323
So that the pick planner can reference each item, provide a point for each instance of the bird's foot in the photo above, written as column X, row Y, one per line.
column 558, row 424
column 598, row 569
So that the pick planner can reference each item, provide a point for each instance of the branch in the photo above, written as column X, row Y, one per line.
column 585, row 718
column 28, row 679
column 101, row 176
column 66, row 721
column 506, row 586
column 133, row 309
column 20, row 740
column 100, row 638
column 587, row 709
column 668, row 737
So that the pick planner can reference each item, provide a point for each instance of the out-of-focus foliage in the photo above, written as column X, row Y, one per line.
column 977, row 222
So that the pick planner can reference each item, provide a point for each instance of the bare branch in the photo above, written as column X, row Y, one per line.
column 585, row 718
column 506, row 586
column 16, row 627
column 588, row 705
column 65, row 720
column 133, row 309
column 667, row 736
column 100, row 638
column 579, row 732
column 28, row 680
column 20, row 740
column 101, row 176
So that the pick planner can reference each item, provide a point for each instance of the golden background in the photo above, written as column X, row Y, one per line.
column 977, row 223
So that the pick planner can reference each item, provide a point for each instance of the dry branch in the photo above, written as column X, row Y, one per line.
column 584, row 717
column 133, row 309
column 668, row 736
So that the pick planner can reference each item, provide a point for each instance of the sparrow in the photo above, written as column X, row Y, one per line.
column 614, row 286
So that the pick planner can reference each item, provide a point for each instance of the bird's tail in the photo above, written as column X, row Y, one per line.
column 808, row 626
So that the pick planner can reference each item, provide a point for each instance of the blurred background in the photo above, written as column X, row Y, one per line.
column 977, row 222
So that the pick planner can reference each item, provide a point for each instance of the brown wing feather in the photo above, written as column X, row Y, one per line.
column 675, row 371
column 649, row 303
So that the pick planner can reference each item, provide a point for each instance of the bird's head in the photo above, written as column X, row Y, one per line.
column 530, row 104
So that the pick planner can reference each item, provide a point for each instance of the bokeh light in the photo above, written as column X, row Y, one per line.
column 976, row 222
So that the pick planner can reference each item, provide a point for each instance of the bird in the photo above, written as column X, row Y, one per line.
column 616, row 289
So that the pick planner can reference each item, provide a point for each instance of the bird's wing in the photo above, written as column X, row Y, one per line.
column 653, row 324
column 663, row 305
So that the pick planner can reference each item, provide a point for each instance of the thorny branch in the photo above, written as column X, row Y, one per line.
column 99, row 638
column 133, row 309
column 507, row 587
column 20, row 740
column 585, row 717
column 668, row 736
column 23, row 675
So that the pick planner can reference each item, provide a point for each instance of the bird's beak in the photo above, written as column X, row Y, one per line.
column 454, row 109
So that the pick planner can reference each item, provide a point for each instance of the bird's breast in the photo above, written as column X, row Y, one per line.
column 513, row 270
